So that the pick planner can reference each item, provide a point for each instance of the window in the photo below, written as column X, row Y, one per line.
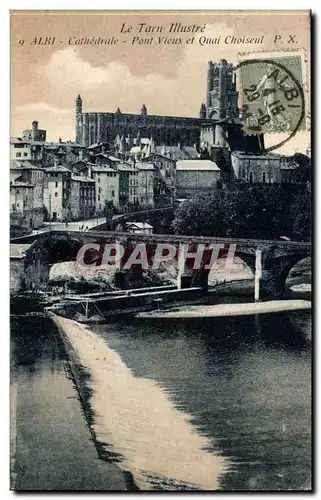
column 98, row 179
column 251, row 177
column 99, row 197
column 18, row 155
column 264, row 177
column 17, row 204
column 56, row 184
column 17, row 191
column 113, row 194
column 56, row 194
column 25, row 154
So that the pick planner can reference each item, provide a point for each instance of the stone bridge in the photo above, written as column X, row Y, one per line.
column 269, row 260
column 150, row 214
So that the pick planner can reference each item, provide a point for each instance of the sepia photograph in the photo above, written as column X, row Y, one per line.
column 160, row 251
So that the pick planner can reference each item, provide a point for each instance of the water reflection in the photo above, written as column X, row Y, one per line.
column 244, row 381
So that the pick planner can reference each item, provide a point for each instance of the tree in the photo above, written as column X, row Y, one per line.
column 301, row 215
column 239, row 210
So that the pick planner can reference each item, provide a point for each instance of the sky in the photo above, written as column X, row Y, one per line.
column 170, row 79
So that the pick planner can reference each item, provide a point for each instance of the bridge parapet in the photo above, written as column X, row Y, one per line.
column 277, row 257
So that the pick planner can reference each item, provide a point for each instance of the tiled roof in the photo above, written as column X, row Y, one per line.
column 82, row 178
column 57, row 168
column 17, row 184
column 194, row 165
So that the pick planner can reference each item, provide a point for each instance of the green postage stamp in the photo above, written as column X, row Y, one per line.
column 272, row 93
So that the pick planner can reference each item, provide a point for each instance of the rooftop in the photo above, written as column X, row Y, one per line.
column 81, row 178
column 194, row 165
column 103, row 168
column 139, row 225
column 17, row 184
column 47, row 145
column 145, row 166
column 24, row 165
column 109, row 157
column 242, row 154
column 18, row 250
column 178, row 153
column 125, row 167
column 57, row 168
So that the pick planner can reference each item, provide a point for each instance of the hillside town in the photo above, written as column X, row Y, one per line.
column 126, row 163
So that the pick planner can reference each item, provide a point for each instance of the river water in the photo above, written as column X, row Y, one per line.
column 244, row 382
column 51, row 446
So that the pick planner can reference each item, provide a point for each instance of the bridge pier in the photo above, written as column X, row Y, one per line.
column 258, row 274
column 184, row 281
column 271, row 285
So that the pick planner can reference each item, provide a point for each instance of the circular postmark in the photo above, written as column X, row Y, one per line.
column 272, row 97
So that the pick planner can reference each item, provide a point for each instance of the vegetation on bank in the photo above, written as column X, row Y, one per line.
column 241, row 211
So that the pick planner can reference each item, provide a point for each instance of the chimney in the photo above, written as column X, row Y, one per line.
column 179, row 145
column 56, row 162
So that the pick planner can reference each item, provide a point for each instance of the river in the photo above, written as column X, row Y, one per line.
column 243, row 384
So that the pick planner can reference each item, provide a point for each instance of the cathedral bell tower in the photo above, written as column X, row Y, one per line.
column 221, row 96
column 79, row 120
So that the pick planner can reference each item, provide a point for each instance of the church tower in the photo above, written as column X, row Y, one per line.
column 221, row 96
column 79, row 120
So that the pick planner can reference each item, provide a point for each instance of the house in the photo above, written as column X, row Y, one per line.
column 82, row 203
column 128, row 184
column 20, row 149
column 57, row 191
column 145, row 184
column 21, row 205
column 31, row 173
column 195, row 177
column 139, row 228
column 257, row 168
column 164, row 178
column 107, row 186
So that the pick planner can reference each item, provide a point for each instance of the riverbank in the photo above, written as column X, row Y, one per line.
column 133, row 421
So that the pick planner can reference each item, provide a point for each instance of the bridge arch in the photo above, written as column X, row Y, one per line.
column 232, row 265
column 298, row 271
column 275, row 272
column 63, row 250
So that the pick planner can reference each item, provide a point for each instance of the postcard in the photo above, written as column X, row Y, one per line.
column 160, row 251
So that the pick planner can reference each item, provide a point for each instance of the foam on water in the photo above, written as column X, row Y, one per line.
column 157, row 443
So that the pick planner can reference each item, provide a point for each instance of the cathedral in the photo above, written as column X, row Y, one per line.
column 93, row 128
column 218, row 124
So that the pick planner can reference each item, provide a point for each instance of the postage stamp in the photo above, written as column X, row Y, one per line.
column 272, row 94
